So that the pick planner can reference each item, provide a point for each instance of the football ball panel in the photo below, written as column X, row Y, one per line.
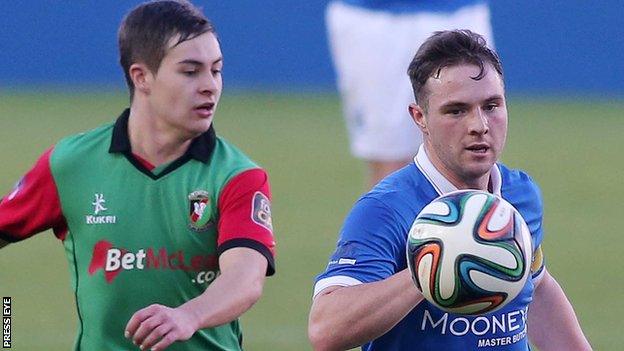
column 469, row 252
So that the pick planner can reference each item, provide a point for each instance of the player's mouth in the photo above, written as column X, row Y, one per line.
column 478, row 148
column 205, row 110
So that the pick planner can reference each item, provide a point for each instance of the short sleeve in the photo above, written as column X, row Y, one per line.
column 370, row 247
column 245, row 215
column 527, row 199
column 33, row 205
column 534, row 221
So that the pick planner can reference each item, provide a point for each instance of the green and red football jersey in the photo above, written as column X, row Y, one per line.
column 135, row 235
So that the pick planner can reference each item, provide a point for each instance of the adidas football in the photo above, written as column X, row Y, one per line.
column 469, row 252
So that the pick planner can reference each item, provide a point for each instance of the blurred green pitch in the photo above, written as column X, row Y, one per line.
column 573, row 149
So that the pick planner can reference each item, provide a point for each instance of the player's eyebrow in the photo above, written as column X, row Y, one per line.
column 197, row 62
column 191, row 62
column 460, row 104
column 494, row 98
column 454, row 104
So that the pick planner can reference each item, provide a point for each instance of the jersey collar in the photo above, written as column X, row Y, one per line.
column 443, row 185
column 200, row 149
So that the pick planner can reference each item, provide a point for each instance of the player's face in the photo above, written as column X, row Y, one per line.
column 465, row 125
column 186, row 89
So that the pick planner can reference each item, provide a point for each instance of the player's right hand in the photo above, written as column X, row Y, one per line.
column 156, row 327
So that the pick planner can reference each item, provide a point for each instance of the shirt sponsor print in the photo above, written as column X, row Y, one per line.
column 114, row 260
column 487, row 329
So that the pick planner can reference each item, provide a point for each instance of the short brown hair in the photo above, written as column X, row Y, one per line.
column 146, row 31
column 449, row 48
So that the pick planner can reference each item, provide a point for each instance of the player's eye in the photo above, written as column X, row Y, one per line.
column 216, row 71
column 189, row 72
column 455, row 112
column 490, row 107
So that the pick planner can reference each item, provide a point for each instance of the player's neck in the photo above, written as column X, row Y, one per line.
column 479, row 183
column 152, row 140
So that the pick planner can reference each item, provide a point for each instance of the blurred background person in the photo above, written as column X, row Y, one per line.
column 372, row 43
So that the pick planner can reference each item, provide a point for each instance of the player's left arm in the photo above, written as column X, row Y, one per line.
column 552, row 322
column 232, row 293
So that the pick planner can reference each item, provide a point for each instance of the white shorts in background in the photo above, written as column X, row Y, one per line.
column 371, row 52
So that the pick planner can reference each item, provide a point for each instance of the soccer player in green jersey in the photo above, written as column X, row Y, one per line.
column 166, row 226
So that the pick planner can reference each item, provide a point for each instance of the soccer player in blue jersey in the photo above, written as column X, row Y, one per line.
column 371, row 42
column 366, row 295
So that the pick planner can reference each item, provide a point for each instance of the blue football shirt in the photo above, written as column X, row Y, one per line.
column 371, row 247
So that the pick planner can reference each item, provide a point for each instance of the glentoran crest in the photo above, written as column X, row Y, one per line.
column 199, row 210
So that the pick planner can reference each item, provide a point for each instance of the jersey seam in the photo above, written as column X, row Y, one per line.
column 79, row 338
column 73, row 243
column 231, row 178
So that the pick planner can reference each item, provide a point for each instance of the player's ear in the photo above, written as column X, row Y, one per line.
column 140, row 75
column 418, row 115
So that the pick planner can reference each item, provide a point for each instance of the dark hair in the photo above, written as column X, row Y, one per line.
column 145, row 32
column 449, row 48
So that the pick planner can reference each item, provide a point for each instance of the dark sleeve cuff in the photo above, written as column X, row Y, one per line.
column 6, row 237
column 252, row 244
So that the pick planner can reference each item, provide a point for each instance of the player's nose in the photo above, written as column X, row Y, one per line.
column 478, row 122
column 210, row 84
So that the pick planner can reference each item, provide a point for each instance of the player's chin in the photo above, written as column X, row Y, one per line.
column 200, row 126
column 477, row 168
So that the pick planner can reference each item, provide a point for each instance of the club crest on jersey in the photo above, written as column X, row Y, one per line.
column 199, row 210
column 261, row 211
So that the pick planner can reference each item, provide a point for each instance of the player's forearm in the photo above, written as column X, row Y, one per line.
column 351, row 316
column 552, row 322
column 226, row 299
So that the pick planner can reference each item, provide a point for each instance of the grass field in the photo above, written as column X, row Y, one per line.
column 573, row 148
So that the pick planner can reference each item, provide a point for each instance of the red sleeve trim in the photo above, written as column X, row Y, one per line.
column 245, row 213
column 33, row 206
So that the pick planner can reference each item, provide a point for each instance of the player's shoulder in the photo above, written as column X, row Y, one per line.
column 77, row 145
column 512, row 177
column 408, row 180
column 405, row 191
column 519, row 188
column 228, row 161
column 227, row 153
